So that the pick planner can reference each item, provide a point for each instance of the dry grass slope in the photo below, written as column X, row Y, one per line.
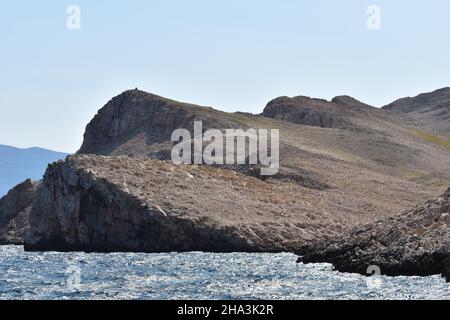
column 434, row 139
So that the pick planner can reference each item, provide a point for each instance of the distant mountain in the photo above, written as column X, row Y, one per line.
column 17, row 165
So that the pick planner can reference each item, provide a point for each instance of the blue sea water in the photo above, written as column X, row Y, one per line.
column 195, row 275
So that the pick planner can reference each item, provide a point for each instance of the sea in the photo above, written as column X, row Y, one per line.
column 194, row 275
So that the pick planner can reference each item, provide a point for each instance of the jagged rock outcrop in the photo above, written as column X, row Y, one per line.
column 415, row 243
column 14, row 212
column 336, row 113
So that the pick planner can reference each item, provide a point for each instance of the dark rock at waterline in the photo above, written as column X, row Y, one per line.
column 446, row 272
column 415, row 243
column 14, row 212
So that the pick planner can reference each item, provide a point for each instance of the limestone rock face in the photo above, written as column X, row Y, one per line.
column 14, row 212
column 97, row 203
column 415, row 243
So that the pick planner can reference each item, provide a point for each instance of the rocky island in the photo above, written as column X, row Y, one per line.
column 345, row 166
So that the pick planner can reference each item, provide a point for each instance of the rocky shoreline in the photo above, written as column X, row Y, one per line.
column 415, row 243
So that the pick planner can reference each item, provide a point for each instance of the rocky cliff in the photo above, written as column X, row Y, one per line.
column 96, row 203
column 415, row 243
column 14, row 212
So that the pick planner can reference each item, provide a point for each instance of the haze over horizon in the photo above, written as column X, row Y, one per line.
column 232, row 56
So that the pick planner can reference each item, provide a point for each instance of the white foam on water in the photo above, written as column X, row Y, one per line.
column 195, row 275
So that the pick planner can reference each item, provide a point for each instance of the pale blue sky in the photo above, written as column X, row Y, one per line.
column 233, row 55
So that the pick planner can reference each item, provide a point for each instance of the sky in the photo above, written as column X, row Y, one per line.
column 231, row 55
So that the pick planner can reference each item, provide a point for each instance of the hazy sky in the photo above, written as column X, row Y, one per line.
column 233, row 55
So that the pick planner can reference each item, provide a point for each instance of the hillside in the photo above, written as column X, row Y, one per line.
column 376, row 143
column 429, row 112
